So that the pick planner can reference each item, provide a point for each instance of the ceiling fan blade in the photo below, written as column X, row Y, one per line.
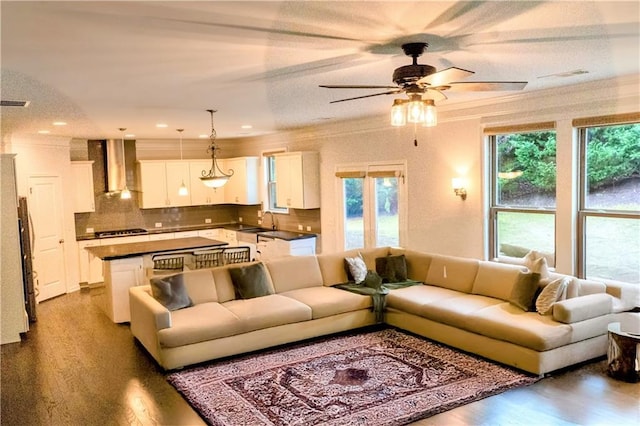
column 445, row 76
column 347, row 86
column 391, row 92
column 482, row 86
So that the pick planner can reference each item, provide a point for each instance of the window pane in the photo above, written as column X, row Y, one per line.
column 526, row 169
column 613, row 167
column 354, row 223
column 518, row 233
column 612, row 248
column 387, row 226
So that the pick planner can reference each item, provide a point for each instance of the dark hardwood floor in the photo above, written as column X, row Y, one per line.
column 75, row 367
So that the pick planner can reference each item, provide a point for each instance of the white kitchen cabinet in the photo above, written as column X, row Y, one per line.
column 185, row 234
column 162, row 236
column 228, row 236
column 213, row 234
column 120, row 276
column 90, row 265
column 270, row 249
column 243, row 186
column 84, row 199
column 298, row 180
column 160, row 181
column 200, row 193
column 177, row 174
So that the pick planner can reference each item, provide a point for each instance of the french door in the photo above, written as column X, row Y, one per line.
column 373, row 205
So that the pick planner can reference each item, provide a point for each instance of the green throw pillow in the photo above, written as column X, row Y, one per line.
column 250, row 281
column 372, row 280
column 392, row 269
column 525, row 291
column 170, row 291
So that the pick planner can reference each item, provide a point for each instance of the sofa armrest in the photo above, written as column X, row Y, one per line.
column 582, row 308
column 147, row 312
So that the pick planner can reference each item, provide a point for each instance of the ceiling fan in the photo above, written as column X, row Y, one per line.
column 418, row 79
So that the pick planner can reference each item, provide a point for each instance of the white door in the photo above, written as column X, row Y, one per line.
column 45, row 207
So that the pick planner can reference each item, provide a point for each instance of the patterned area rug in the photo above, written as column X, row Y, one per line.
column 382, row 377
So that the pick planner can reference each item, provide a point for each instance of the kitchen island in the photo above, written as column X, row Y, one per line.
column 125, row 266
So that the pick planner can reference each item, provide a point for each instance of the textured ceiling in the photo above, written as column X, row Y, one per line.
column 103, row 65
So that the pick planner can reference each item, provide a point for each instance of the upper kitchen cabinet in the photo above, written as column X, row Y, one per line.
column 201, row 194
column 84, row 199
column 242, row 187
column 298, row 180
column 160, row 181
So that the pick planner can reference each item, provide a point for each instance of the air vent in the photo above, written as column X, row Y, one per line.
column 23, row 104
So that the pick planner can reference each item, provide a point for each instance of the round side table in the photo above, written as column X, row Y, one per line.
column 623, row 353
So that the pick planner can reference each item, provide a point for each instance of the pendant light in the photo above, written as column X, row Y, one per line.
column 125, row 194
column 182, row 191
column 215, row 177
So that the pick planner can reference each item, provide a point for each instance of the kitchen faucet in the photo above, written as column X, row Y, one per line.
column 273, row 219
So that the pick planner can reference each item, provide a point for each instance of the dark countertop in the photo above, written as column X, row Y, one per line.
column 286, row 235
column 121, row 251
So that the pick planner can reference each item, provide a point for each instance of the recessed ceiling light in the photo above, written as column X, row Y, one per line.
column 59, row 123
column 203, row 136
column 129, row 135
column 162, row 125
column 246, row 126
column 43, row 132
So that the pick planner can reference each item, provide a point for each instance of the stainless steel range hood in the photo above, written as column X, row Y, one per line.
column 115, row 162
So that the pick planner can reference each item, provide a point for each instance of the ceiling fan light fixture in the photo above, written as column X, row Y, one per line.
column 415, row 109
column 215, row 177
column 398, row 113
column 430, row 113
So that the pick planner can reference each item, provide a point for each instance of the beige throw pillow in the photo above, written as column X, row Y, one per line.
column 357, row 268
column 537, row 263
column 550, row 294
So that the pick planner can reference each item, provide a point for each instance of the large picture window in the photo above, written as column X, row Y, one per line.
column 609, row 214
column 523, row 190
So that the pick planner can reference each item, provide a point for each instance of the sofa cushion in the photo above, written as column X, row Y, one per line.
column 250, row 281
column 200, row 285
column 417, row 264
column 456, row 311
column 327, row 301
column 332, row 269
column 392, row 268
column 199, row 323
column 268, row 311
column 496, row 279
column 170, row 291
column 511, row 324
column 292, row 272
column 414, row 299
column 455, row 273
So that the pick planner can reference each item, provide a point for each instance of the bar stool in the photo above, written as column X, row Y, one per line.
column 208, row 258
column 168, row 263
column 236, row 254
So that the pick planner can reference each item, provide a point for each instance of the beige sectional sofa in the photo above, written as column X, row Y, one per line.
column 463, row 303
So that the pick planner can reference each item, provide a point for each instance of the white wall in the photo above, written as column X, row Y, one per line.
column 439, row 221
column 49, row 156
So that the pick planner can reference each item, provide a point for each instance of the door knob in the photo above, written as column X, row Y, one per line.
column 61, row 241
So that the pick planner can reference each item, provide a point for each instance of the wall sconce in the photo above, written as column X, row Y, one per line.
column 459, row 187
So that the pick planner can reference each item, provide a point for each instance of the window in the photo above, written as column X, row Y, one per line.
column 270, row 180
column 373, row 200
column 609, row 213
column 523, row 190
